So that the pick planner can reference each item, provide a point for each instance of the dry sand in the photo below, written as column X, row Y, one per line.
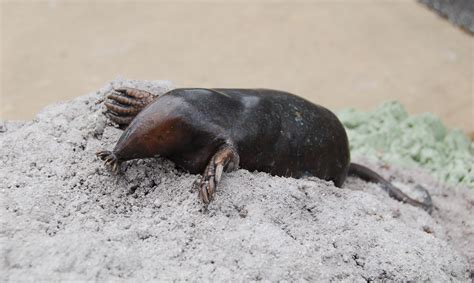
column 65, row 216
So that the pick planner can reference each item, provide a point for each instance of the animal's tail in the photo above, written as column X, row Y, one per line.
column 368, row 175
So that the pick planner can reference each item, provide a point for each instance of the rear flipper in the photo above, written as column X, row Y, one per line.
column 368, row 175
column 124, row 103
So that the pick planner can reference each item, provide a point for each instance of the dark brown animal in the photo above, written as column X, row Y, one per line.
column 208, row 131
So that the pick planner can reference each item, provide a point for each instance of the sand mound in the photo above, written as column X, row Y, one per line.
column 65, row 216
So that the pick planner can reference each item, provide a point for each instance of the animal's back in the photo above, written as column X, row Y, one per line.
column 274, row 131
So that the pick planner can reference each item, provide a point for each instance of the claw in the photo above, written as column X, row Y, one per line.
column 121, row 109
column 114, row 167
column 120, row 98
column 110, row 159
column 219, row 170
column 118, row 119
column 137, row 93
column 211, row 187
column 203, row 193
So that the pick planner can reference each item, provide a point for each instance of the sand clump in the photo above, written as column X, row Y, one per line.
column 64, row 216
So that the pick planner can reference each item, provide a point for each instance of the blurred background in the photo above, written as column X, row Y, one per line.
column 338, row 54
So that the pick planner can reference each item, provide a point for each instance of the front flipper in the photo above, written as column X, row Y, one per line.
column 124, row 103
column 226, row 158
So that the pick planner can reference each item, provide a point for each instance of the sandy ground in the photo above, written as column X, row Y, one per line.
column 337, row 53
column 66, row 216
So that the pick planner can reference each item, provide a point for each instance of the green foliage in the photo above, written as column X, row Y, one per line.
column 388, row 133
